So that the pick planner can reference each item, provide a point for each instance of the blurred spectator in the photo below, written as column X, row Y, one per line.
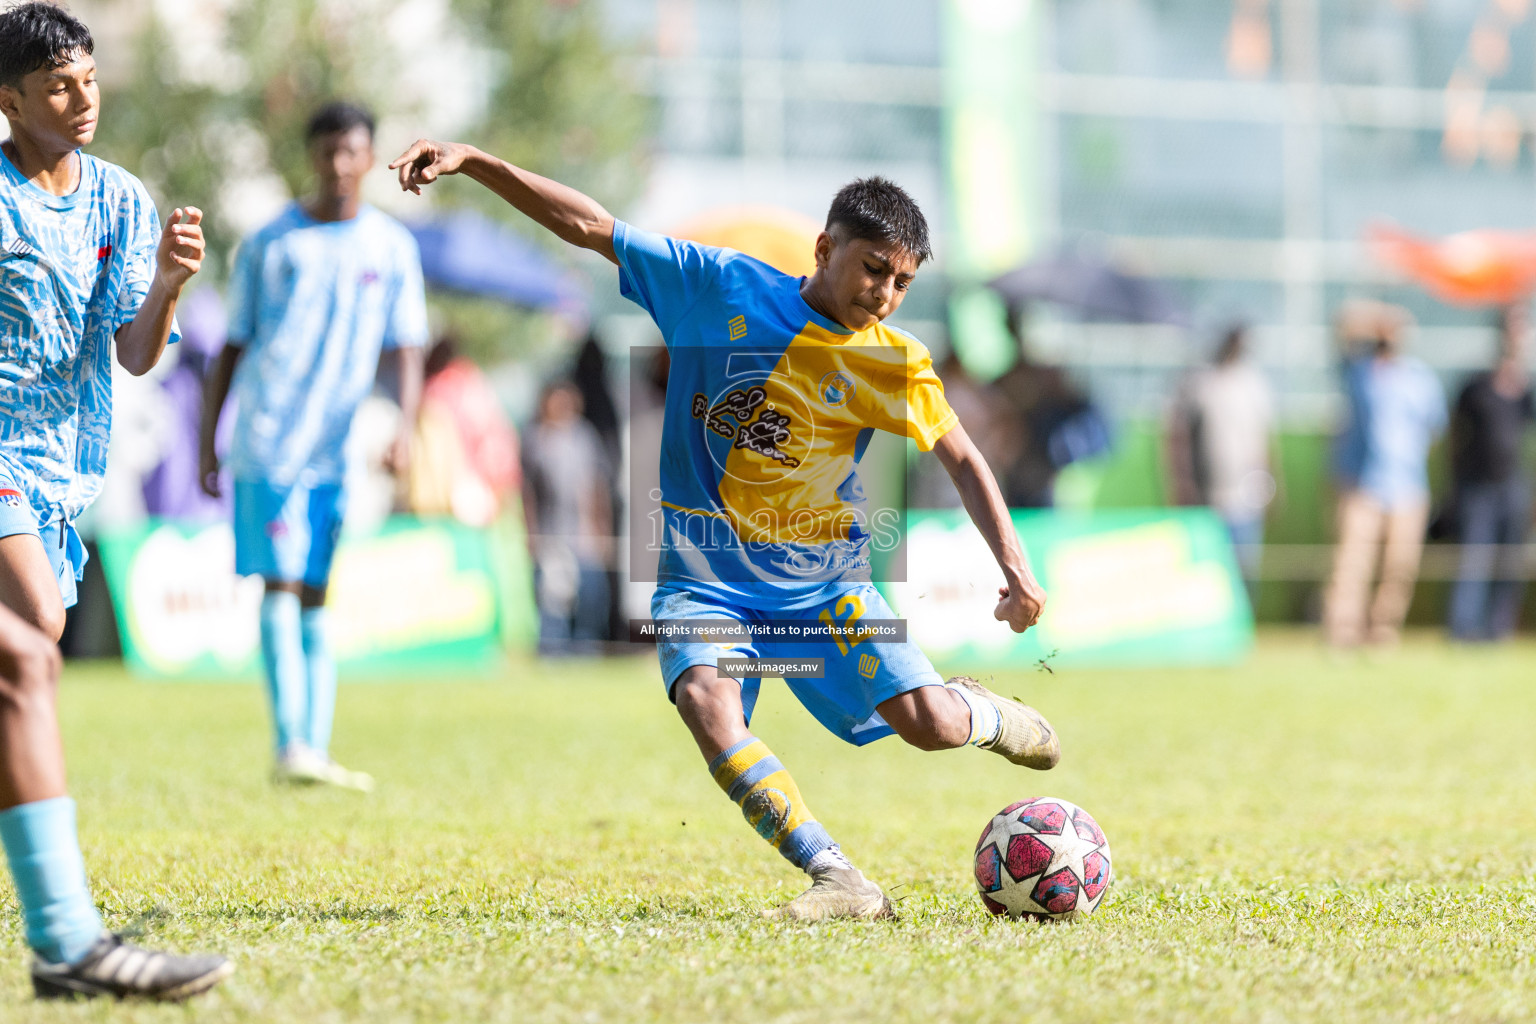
column 1492, row 497
column 569, row 509
column 468, row 462
column 1396, row 410
column 1052, row 424
column 590, row 376
column 982, row 413
column 1220, row 436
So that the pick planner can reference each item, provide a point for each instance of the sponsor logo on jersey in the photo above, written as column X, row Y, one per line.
column 869, row 664
column 10, row 498
column 767, row 435
column 738, row 326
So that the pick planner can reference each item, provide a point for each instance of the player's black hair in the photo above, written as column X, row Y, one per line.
column 880, row 210
column 338, row 116
column 39, row 35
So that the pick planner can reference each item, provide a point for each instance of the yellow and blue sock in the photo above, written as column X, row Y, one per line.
column 282, row 655
column 44, row 853
column 321, row 673
column 770, row 800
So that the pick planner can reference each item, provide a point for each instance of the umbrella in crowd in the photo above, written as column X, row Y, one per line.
column 470, row 253
column 1093, row 287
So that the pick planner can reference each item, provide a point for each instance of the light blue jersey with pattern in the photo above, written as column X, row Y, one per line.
column 73, row 269
column 314, row 303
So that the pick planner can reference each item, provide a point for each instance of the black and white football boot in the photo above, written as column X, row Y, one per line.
column 114, row 968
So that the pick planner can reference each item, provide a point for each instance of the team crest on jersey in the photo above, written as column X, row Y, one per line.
column 731, row 417
column 836, row 388
column 10, row 498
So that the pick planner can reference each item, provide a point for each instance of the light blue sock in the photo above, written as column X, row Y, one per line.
column 40, row 842
column 322, row 680
column 282, row 655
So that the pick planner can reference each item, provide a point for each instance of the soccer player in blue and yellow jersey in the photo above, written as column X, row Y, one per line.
column 315, row 299
column 84, row 264
column 776, row 383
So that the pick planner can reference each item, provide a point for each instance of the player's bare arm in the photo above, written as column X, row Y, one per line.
column 215, row 392
column 570, row 215
column 1021, row 598
column 142, row 341
column 410, row 369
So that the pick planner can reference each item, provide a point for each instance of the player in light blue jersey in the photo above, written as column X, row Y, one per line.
column 316, row 298
column 84, row 264
column 775, row 387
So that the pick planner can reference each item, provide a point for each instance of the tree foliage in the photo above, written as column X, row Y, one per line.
column 214, row 131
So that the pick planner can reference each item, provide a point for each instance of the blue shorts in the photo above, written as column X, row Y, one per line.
column 287, row 533
column 856, row 680
column 66, row 553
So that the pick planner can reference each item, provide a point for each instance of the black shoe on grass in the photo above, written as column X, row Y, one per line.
column 114, row 968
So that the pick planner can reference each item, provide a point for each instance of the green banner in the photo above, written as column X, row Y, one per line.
column 1126, row 586
column 417, row 593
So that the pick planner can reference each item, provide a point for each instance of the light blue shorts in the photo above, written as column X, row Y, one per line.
column 857, row 678
column 66, row 553
column 289, row 533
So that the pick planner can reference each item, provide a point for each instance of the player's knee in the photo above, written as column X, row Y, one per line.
column 33, row 678
column 699, row 691
column 49, row 618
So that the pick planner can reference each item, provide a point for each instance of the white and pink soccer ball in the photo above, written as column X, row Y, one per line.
column 1044, row 858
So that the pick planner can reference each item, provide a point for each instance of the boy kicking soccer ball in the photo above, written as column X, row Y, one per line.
column 83, row 264
column 775, row 385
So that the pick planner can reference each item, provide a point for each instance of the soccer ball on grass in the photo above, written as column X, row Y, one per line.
column 1044, row 858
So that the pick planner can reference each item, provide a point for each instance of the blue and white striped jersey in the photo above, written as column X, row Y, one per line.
column 73, row 269
column 314, row 302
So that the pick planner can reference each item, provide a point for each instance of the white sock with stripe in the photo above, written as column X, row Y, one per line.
column 986, row 720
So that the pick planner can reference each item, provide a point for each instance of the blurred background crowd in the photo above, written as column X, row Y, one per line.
column 1270, row 257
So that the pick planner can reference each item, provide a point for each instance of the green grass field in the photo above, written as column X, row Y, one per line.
column 1300, row 838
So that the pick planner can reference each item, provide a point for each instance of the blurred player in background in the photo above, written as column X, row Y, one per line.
column 776, row 383
column 316, row 299
column 83, row 264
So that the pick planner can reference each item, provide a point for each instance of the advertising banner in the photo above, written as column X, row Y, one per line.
column 1125, row 586
column 416, row 593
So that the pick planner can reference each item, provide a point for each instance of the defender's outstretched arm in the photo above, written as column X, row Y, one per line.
column 574, row 217
column 1021, row 599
